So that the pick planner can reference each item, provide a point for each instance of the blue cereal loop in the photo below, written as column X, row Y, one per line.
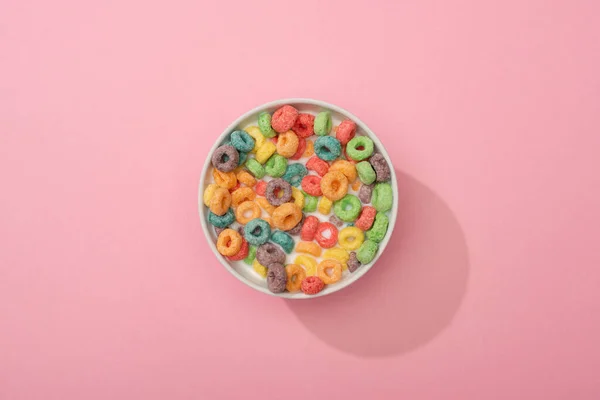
column 242, row 141
column 328, row 148
column 257, row 231
column 294, row 174
column 223, row 220
column 284, row 240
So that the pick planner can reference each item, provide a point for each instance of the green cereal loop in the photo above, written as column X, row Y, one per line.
column 255, row 168
column 294, row 174
column 223, row 220
column 366, row 173
column 284, row 240
column 264, row 124
column 251, row 255
column 310, row 202
column 379, row 228
column 367, row 251
column 348, row 208
column 276, row 165
column 322, row 124
column 354, row 144
column 382, row 197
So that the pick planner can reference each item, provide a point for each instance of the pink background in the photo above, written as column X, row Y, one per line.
column 489, row 109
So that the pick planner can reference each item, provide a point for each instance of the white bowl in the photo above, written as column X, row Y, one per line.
column 242, row 271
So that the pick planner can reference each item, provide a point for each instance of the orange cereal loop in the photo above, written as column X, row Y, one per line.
column 335, row 128
column 265, row 205
column 269, row 221
column 286, row 216
column 246, row 212
column 226, row 180
column 330, row 271
column 309, row 248
column 208, row 193
column 346, row 168
column 295, row 276
column 310, row 149
column 356, row 185
column 246, row 178
column 287, row 144
column 334, row 185
column 220, row 201
column 229, row 242
column 241, row 195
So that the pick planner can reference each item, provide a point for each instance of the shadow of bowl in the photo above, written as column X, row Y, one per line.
column 410, row 295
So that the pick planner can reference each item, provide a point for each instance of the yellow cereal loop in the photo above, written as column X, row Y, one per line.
column 265, row 151
column 208, row 193
column 309, row 248
column 259, row 139
column 350, row 238
column 259, row 268
column 265, row 205
column 298, row 197
column 324, row 206
column 337, row 253
column 309, row 264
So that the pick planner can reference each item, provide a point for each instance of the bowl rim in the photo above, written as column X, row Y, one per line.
column 380, row 147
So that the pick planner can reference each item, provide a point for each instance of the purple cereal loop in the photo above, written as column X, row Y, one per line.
column 268, row 253
column 218, row 230
column 382, row 170
column 225, row 158
column 353, row 262
column 276, row 277
column 240, row 229
column 364, row 193
column 336, row 221
column 282, row 186
column 296, row 230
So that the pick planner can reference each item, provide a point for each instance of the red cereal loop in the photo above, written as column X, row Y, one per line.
column 243, row 253
column 324, row 242
column 345, row 131
column 311, row 184
column 312, row 285
column 236, row 187
column 301, row 149
column 284, row 118
column 316, row 164
column 260, row 188
column 304, row 125
column 366, row 218
column 274, row 139
column 309, row 228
